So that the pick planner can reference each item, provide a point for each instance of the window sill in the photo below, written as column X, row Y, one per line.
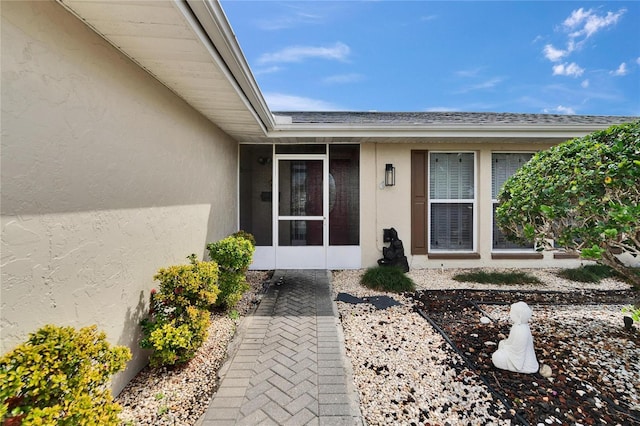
column 516, row 255
column 453, row 256
column 566, row 255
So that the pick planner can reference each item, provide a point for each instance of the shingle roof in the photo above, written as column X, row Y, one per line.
column 449, row 118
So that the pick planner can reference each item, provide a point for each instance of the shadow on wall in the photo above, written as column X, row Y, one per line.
column 131, row 335
column 106, row 177
column 112, row 136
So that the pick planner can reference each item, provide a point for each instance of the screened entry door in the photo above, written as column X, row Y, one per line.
column 302, row 205
column 300, row 213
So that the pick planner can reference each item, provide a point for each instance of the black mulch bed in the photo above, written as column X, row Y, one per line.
column 578, row 394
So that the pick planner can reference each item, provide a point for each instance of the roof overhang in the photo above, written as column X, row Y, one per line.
column 431, row 131
column 190, row 47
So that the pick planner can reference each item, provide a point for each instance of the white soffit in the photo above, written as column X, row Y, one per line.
column 190, row 47
column 165, row 39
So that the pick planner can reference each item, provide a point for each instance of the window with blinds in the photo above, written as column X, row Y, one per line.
column 503, row 165
column 452, row 201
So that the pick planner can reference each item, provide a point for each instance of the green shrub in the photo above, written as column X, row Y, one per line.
column 232, row 286
column 176, row 341
column 232, row 253
column 504, row 278
column 247, row 236
column 182, row 286
column 60, row 376
column 587, row 273
column 179, row 317
column 387, row 278
column 581, row 195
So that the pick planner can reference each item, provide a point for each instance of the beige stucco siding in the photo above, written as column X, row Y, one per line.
column 386, row 207
column 107, row 176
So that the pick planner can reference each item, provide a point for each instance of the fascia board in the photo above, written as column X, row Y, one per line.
column 336, row 131
column 228, row 54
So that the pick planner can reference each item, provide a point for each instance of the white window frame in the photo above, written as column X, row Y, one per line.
column 494, row 203
column 473, row 202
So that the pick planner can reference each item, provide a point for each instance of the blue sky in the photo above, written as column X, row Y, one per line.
column 573, row 57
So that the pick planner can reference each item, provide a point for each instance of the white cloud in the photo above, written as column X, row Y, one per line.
column 343, row 78
column 638, row 61
column 470, row 72
column 553, row 54
column 576, row 18
column 427, row 18
column 286, row 22
column 338, row 52
column 268, row 70
column 560, row 110
column 585, row 23
column 585, row 84
column 284, row 102
column 488, row 84
column 579, row 26
column 292, row 15
column 622, row 70
column 571, row 70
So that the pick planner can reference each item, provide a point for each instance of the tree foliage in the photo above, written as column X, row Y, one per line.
column 582, row 195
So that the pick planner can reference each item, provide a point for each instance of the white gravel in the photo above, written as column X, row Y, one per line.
column 179, row 396
column 403, row 368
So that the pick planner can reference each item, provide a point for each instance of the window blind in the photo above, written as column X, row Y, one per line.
column 452, row 226
column 503, row 166
column 451, row 176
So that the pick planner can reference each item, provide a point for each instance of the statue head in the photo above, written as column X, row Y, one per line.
column 520, row 313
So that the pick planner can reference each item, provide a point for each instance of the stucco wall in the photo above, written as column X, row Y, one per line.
column 106, row 176
column 386, row 207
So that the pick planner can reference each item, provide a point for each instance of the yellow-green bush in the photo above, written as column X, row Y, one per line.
column 246, row 235
column 179, row 317
column 232, row 286
column 233, row 255
column 176, row 341
column 182, row 286
column 60, row 377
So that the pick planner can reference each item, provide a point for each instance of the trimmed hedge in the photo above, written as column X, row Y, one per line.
column 60, row 376
column 179, row 317
column 233, row 255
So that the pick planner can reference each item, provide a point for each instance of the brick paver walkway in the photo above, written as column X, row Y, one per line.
column 288, row 366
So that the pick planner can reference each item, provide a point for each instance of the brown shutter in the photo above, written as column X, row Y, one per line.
column 419, row 202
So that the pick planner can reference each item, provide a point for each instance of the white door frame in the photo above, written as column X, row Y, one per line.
column 301, row 257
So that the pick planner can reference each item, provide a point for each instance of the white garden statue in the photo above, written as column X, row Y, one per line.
column 515, row 353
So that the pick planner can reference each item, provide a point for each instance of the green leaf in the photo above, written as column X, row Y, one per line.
column 547, row 211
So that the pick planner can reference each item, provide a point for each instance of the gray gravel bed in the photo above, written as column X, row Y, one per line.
column 404, row 371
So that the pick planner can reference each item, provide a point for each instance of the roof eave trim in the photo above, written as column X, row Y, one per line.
column 323, row 130
column 220, row 37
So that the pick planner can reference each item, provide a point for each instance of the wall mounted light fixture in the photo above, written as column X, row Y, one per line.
column 389, row 175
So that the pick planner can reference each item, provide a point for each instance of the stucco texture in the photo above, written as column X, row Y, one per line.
column 106, row 176
column 386, row 207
